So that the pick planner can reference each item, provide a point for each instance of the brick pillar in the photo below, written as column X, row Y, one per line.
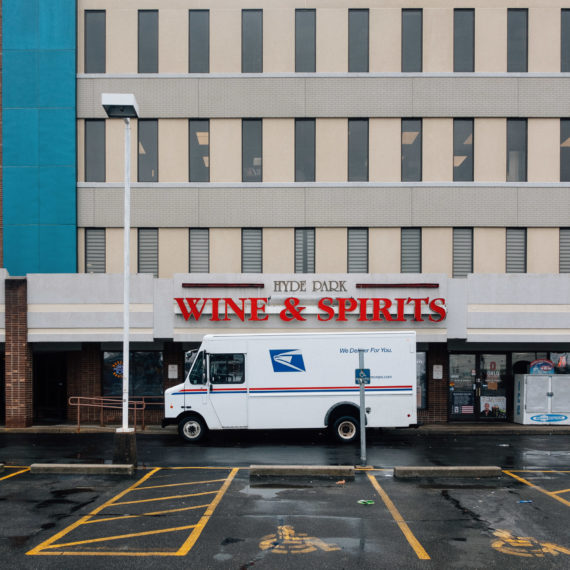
column 173, row 354
column 437, row 390
column 19, row 386
column 84, row 379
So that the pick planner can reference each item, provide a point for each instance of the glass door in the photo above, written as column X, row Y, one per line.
column 462, row 387
column 492, row 387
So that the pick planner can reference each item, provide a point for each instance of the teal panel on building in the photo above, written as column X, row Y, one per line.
column 39, row 136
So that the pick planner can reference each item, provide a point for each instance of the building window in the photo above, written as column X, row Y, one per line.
column 421, row 378
column 463, row 40
column 463, row 150
column 358, row 31
column 148, row 41
column 251, row 251
column 199, row 148
column 199, row 41
column 462, row 252
column 565, row 41
column 95, row 40
column 305, row 40
column 252, row 41
column 516, row 150
column 564, row 150
column 411, row 150
column 517, row 40
column 148, row 150
column 564, row 250
column 516, row 250
column 95, row 250
column 95, row 150
column 412, row 40
column 411, row 254
column 148, row 251
column 145, row 373
column 199, row 250
column 251, row 150
column 357, row 150
column 304, row 150
column 357, row 250
column 304, row 250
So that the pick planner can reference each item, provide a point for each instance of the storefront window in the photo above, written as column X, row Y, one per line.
column 561, row 361
column 522, row 360
column 145, row 374
column 421, row 375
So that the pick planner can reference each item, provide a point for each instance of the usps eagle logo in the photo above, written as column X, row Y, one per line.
column 290, row 360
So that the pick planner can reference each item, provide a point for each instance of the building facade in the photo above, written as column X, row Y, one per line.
column 295, row 166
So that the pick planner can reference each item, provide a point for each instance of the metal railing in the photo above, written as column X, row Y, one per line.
column 139, row 404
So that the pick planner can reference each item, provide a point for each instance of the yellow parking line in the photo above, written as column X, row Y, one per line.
column 47, row 543
column 191, row 540
column 119, row 536
column 14, row 474
column 560, row 492
column 549, row 493
column 537, row 471
column 179, row 484
column 164, row 498
column 412, row 540
column 124, row 517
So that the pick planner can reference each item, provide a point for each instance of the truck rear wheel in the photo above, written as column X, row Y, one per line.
column 346, row 429
column 192, row 429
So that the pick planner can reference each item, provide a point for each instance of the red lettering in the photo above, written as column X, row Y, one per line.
column 345, row 305
column 215, row 309
column 438, row 307
column 363, row 304
column 193, row 305
column 324, row 305
column 258, row 306
column 400, row 303
column 239, row 311
column 418, row 307
column 378, row 308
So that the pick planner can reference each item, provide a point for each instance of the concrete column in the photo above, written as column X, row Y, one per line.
column 18, row 371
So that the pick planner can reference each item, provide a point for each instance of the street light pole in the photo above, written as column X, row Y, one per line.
column 124, row 105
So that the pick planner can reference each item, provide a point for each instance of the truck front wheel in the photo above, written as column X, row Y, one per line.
column 346, row 429
column 192, row 429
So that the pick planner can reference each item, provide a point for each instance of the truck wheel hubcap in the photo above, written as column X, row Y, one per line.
column 346, row 430
column 192, row 429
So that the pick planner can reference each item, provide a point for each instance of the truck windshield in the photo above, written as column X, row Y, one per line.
column 197, row 373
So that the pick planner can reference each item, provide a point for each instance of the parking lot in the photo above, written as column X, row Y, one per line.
column 215, row 517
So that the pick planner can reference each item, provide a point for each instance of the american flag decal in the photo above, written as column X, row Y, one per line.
column 467, row 409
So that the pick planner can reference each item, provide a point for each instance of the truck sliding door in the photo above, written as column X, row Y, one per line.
column 228, row 390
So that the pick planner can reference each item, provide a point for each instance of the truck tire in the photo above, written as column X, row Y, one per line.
column 192, row 429
column 346, row 429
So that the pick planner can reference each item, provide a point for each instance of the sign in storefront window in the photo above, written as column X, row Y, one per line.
column 561, row 361
column 146, row 373
column 421, row 375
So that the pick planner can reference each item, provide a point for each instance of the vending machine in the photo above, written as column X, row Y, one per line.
column 542, row 399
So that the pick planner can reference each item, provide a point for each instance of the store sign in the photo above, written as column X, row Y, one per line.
column 372, row 309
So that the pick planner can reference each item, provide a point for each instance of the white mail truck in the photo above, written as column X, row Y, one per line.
column 289, row 381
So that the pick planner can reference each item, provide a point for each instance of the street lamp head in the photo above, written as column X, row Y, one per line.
column 120, row 105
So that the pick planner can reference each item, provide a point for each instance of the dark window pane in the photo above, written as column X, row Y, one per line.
column 227, row 369
column 199, row 42
column 95, row 150
column 199, row 250
column 95, row 41
column 148, row 150
column 564, row 150
column 305, row 40
column 251, row 250
column 517, row 40
column 463, row 150
column 358, row 40
column 565, row 42
column 357, row 150
column 304, row 250
column 411, row 250
column 145, row 374
column 199, row 145
column 411, row 150
column 516, row 150
column 464, row 40
column 304, row 150
column 411, row 40
column 148, row 251
column 251, row 150
column 94, row 250
column 148, row 41
column 252, row 41
column 357, row 250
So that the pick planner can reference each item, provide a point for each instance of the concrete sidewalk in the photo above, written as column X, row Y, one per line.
column 429, row 429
